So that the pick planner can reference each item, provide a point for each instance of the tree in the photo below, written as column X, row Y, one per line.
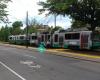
column 55, row 6
column 31, row 29
column 3, row 12
column 78, row 24
column 56, row 28
column 4, row 33
column 33, row 22
column 17, row 24
column 16, row 27
column 32, row 26
column 86, row 11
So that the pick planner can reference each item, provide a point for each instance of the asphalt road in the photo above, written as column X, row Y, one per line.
column 20, row 64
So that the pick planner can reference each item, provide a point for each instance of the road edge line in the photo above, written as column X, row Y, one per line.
column 15, row 73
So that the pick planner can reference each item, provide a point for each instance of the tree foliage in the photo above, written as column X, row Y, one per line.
column 16, row 27
column 56, row 28
column 32, row 27
column 55, row 6
column 17, row 24
column 78, row 24
column 86, row 11
column 3, row 11
column 4, row 33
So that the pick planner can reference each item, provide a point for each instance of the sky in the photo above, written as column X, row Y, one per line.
column 17, row 11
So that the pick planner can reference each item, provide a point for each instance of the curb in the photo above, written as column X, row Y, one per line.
column 71, row 55
column 58, row 52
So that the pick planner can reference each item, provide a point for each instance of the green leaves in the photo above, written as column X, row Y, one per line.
column 55, row 6
column 16, row 27
column 4, row 33
column 3, row 6
column 85, row 11
column 17, row 24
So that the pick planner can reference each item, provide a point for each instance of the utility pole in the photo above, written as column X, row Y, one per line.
column 55, row 16
column 27, row 36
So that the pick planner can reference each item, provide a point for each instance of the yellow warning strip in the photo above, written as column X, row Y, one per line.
column 74, row 54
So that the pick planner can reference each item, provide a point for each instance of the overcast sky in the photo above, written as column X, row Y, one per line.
column 17, row 11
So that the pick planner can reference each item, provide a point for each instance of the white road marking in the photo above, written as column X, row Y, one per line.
column 27, row 62
column 30, row 56
column 37, row 66
column 30, row 64
column 12, row 71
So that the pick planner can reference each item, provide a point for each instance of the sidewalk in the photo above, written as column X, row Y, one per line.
column 83, row 55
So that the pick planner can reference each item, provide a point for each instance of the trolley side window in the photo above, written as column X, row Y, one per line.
column 67, row 36
column 76, row 36
column 22, row 37
column 56, row 38
column 72, row 36
column 34, row 37
column 10, row 38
